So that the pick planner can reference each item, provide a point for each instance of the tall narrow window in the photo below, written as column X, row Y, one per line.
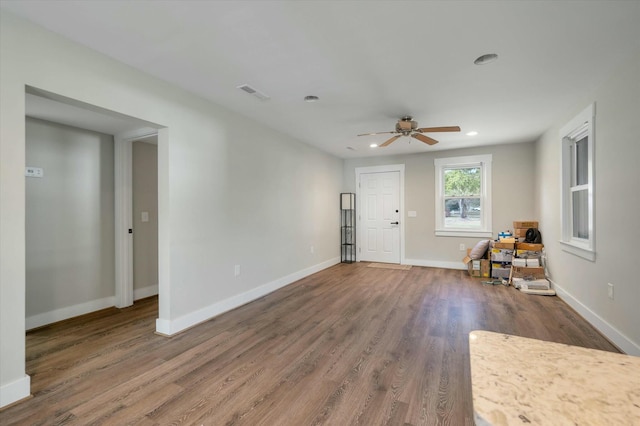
column 578, row 185
column 463, row 196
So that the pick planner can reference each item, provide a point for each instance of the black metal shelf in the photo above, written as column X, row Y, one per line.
column 348, row 227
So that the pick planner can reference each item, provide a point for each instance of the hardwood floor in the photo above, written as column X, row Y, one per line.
column 348, row 345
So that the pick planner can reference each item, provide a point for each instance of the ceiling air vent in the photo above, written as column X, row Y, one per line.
column 252, row 91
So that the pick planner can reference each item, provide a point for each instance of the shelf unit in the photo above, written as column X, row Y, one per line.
column 348, row 227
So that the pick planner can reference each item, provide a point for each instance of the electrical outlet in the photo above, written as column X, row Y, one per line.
column 610, row 290
column 462, row 247
column 236, row 270
column 312, row 249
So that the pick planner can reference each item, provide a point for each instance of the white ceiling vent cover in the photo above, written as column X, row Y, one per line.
column 253, row 91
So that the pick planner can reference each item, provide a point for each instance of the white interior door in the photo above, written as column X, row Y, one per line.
column 380, row 217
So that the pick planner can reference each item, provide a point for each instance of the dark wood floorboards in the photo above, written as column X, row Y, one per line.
column 348, row 345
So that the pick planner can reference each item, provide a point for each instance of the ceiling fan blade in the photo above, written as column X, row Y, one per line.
column 438, row 129
column 377, row 133
column 423, row 138
column 390, row 141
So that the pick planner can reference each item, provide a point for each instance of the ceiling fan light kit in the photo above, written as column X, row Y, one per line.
column 406, row 126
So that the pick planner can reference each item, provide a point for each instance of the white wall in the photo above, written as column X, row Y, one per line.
column 231, row 192
column 144, row 178
column 617, row 207
column 69, row 221
column 512, row 198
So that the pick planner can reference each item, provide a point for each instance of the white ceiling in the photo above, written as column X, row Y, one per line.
column 370, row 62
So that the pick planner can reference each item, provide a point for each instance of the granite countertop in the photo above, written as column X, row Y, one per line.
column 518, row 381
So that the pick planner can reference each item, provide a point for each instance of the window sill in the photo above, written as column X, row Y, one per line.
column 579, row 251
column 463, row 233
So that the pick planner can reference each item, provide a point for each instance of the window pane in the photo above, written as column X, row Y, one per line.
column 580, row 209
column 462, row 212
column 460, row 182
column 582, row 160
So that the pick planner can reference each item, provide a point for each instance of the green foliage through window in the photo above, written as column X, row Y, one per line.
column 462, row 182
column 462, row 193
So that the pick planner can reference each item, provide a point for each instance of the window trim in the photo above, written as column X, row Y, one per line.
column 579, row 127
column 484, row 162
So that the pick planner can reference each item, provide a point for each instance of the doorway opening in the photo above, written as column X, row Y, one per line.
column 144, row 194
column 79, row 208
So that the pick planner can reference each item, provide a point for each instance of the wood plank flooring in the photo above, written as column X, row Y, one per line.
column 348, row 345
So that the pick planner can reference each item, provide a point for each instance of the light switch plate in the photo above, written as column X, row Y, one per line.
column 36, row 172
column 144, row 216
column 412, row 213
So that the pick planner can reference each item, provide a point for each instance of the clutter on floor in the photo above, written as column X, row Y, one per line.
column 515, row 258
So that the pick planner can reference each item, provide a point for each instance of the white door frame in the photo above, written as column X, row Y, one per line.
column 380, row 169
column 123, row 193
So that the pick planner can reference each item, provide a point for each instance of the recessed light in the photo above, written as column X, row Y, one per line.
column 472, row 133
column 486, row 59
column 374, row 145
column 311, row 98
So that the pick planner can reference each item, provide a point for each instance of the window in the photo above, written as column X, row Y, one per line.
column 463, row 196
column 578, row 185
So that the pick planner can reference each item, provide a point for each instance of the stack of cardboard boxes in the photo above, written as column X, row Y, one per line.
column 515, row 262
column 527, row 264
column 501, row 254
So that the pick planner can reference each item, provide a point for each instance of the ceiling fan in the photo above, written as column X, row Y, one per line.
column 407, row 127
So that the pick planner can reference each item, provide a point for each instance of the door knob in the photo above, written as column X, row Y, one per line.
column 395, row 223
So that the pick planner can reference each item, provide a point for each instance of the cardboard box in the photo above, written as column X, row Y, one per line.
column 502, row 245
column 500, row 270
column 527, row 261
column 540, row 284
column 501, row 255
column 477, row 267
column 526, row 273
column 525, row 224
column 520, row 232
column 529, row 254
column 529, row 246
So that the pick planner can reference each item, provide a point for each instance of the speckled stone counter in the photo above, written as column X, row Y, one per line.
column 519, row 381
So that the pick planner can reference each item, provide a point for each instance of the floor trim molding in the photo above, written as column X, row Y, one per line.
column 170, row 327
column 436, row 264
column 616, row 337
column 144, row 292
column 67, row 312
column 15, row 391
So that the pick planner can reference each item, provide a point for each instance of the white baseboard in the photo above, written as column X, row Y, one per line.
column 141, row 293
column 68, row 312
column 171, row 327
column 15, row 391
column 618, row 339
column 436, row 264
